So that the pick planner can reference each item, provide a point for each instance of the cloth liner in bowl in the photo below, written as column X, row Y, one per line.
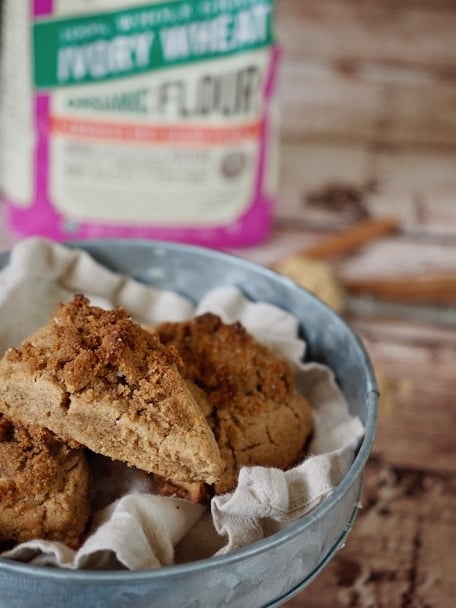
column 133, row 527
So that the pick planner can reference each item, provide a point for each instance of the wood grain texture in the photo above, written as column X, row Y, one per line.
column 400, row 553
column 360, row 70
column 417, row 415
column 402, row 34
column 320, row 101
column 325, row 185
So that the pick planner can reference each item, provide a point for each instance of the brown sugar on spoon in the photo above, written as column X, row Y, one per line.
column 248, row 396
column 44, row 486
column 96, row 377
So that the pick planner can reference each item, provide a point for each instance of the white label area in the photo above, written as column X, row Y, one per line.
column 174, row 147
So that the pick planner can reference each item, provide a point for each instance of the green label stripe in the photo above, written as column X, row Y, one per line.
column 105, row 46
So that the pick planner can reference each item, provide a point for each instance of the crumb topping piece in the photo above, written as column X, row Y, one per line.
column 246, row 391
column 96, row 377
column 44, row 486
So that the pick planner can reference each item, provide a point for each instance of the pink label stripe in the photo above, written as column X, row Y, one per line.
column 42, row 7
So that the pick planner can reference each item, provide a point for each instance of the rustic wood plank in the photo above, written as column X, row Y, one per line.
column 419, row 112
column 401, row 256
column 326, row 185
column 435, row 578
column 417, row 414
column 319, row 101
column 348, row 33
column 308, row 169
column 399, row 554
column 419, row 186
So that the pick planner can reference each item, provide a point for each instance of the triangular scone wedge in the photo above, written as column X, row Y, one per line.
column 96, row 377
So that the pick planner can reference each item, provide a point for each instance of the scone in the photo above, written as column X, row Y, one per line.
column 44, row 486
column 247, row 393
column 96, row 377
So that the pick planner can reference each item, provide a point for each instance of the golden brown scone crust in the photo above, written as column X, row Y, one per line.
column 246, row 391
column 44, row 486
column 98, row 378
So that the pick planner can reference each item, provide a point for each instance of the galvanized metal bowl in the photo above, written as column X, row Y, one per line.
column 265, row 573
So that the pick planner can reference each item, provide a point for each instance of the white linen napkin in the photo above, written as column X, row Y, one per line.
column 133, row 527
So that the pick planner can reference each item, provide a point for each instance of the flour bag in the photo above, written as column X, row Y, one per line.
column 139, row 119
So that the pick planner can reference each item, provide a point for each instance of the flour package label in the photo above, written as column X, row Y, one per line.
column 139, row 119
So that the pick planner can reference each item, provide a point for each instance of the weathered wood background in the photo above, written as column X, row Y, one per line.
column 368, row 95
column 368, row 91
